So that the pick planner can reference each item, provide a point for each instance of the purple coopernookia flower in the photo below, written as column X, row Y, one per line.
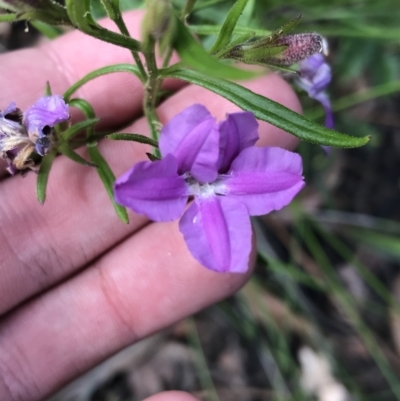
column 315, row 76
column 11, row 132
column 21, row 134
column 43, row 115
column 228, row 178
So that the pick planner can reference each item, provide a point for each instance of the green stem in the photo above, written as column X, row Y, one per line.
column 119, row 21
column 188, row 8
column 185, row 13
column 151, row 89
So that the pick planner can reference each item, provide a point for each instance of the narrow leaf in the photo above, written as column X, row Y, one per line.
column 47, row 90
column 8, row 17
column 108, row 179
column 71, row 154
column 80, row 14
column 133, row 137
column 50, row 32
column 78, row 127
column 43, row 175
column 284, row 29
column 98, row 73
column 228, row 26
column 386, row 244
column 152, row 157
column 267, row 110
column 194, row 55
column 84, row 106
column 239, row 30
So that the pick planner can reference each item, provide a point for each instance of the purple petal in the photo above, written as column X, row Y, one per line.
column 312, row 63
column 47, row 111
column 8, row 121
column 238, row 131
column 8, row 110
column 321, row 79
column 217, row 231
column 193, row 138
column 326, row 104
column 315, row 75
column 154, row 189
column 264, row 179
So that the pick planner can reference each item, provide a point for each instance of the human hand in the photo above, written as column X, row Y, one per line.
column 76, row 284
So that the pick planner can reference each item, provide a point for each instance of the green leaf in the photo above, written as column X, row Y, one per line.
column 133, row 137
column 98, row 73
column 43, row 175
column 284, row 29
column 50, row 32
column 110, row 9
column 386, row 244
column 47, row 11
column 47, row 90
column 267, row 110
column 80, row 14
column 71, row 154
column 84, row 106
column 239, row 30
column 108, row 179
column 152, row 157
column 8, row 17
column 194, row 55
column 78, row 127
column 228, row 26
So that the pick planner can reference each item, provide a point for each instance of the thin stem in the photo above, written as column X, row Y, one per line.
column 185, row 13
column 151, row 89
column 119, row 21
column 188, row 8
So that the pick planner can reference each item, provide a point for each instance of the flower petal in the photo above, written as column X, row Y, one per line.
column 8, row 110
column 217, row 231
column 47, row 111
column 264, row 179
column 326, row 104
column 238, row 131
column 154, row 189
column 315, row 75
column 193, row 138
column 9, row 121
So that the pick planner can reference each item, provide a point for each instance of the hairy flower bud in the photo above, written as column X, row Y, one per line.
column 284, row 50
column 48, row 11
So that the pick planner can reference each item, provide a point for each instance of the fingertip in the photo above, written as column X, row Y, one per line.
column 172, row 396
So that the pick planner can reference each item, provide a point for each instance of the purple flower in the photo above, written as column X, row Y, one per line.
column 315, row 76
column 41, row 117
column 228, row 177
column 11, row 134
column 21, row 134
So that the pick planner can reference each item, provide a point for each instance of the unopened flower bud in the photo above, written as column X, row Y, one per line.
column 299, row 47
column 48, row 11
column 282, row 51
column 158, row 23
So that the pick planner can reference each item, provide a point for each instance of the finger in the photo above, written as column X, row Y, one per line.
column 41, row 245
column 172, row 396
column 144, row 284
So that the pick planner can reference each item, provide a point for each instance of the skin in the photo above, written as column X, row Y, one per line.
column 76, row 284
